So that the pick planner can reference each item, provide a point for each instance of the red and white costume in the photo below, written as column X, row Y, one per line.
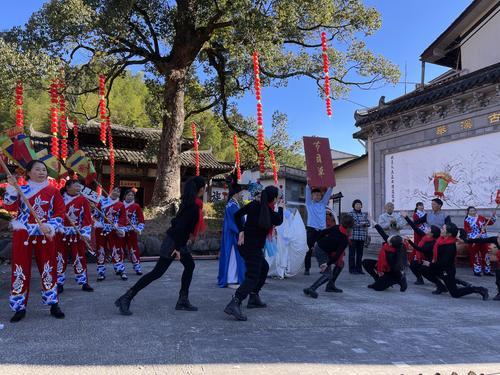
column 135, row 226
column 475, row 226
column 28, row 237
column 109, row 237
column 69, row 242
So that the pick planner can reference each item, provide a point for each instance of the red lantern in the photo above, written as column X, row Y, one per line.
column 19, row 106
column 273, row 164
column 63, row 122
column 54, row 117
column 76, row 146
column 111, row 156
column 102, row 107
column 326, row 71
column 237, row 157
column 196, row 150
column 260, row 118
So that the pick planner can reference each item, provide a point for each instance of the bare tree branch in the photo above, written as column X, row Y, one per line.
column 147, row 20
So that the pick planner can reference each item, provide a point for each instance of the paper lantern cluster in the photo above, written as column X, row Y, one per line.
column 63, row 122
column 260, row 118
column 111, row 155
column 19, row 105
column 272, row 157
column 237, row 157
column 54, row 117
column 326, row 71
column 76, row 146
column 102, row 107
column 196, row 149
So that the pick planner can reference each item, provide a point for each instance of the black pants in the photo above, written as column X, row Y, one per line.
column 356, row 255
column 448, row 277
column 416, row 269
column 381, row 282
column 162, row 266
column 256, row 272
column 312, row 237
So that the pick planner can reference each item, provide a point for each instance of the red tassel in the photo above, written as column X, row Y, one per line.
column 111, row 156
column 19, row 104
column 273, row 164
column 54, row 117
column 260, row 118
column 196, row 150
column 326, row 69
column 237, row 157
column 102, row 107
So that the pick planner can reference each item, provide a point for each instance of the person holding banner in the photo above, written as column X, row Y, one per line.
column 40, row 212
column 77, row 222
column 316, row 203
column 111, row 226
column 135, row 226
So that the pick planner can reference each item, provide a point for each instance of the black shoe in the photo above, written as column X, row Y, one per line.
column 123, row 303
column 403, row 284
column 310, row 292
column 18, row 316
column 234, row 309
column 87, row 288
column 371, row 286
column 306, row 272
column 439, row 291
column 331, row 288
column 184, row 304
column 60, row 289
column 352, row 272
column 478, row 274
column 101, row 278
column 419, row 282
column 138, row 273
column 483, row 292
column 488, row 273
column 497, row 297
column 56, row 311
column 254, row 301
column 123, row 276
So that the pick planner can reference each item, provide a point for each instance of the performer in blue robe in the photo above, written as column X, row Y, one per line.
column 231, row 264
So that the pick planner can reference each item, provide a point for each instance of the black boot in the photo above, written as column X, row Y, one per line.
column 60, row 288
column 497, row 274
column 311, row 291
column 482, row 291
column 18, row 316
column 87, row 288
column 234, row 309
column 254, row 301
column 330, row 287
column 403, row 284
column 184, row 304
column 123, row 303
column 56, row 311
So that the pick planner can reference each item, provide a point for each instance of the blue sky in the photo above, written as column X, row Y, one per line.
column 408, row 27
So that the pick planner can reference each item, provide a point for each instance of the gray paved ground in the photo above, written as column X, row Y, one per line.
column 357, row 332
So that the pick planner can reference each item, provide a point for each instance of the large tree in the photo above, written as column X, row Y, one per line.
column 210, row 40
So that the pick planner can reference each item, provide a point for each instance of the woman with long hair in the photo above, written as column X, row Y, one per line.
column 30, row 236
column 186, row 225
column 260, row 220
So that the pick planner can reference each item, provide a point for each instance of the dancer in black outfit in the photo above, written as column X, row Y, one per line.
column 388, row 269
column 443, row 268
column 329, row 248
column 185, row 226
column 260, row 219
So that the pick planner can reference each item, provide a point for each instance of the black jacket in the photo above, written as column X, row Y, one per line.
column 183, row 225
column 427, row 249
column 333, row 242
column 255, row 236
column 446, row 257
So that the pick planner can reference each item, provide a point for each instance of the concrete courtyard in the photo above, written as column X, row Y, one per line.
column 357, row 332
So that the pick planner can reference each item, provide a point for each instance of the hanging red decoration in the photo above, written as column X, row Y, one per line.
column 63, row 121
column 326, row 71
column 19, row 105
column 111, row 156
column 76, row 146
column 237, row 157
column 102, row 107
column 54, row 117
column 260, row 118
column 272, row 157
column 196, row 150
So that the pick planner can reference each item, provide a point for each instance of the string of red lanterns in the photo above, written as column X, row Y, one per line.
column 102, row 107
column 19, row 105
column 260, row 118
column 54, row 117
column 326, row 70
column 237, row 157
column 196, row 150
column 76, row 145
column 111, row 155
column 63, row 121
column 272, row 157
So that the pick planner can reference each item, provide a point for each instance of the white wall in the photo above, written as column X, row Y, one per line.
column 482, row 49
column 352, row 181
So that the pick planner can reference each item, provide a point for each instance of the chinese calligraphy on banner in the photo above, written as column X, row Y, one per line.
column 319, row 162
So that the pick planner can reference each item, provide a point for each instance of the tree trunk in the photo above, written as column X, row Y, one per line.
column 168, row 174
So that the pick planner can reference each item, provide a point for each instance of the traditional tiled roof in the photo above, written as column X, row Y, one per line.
column 431, row 94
